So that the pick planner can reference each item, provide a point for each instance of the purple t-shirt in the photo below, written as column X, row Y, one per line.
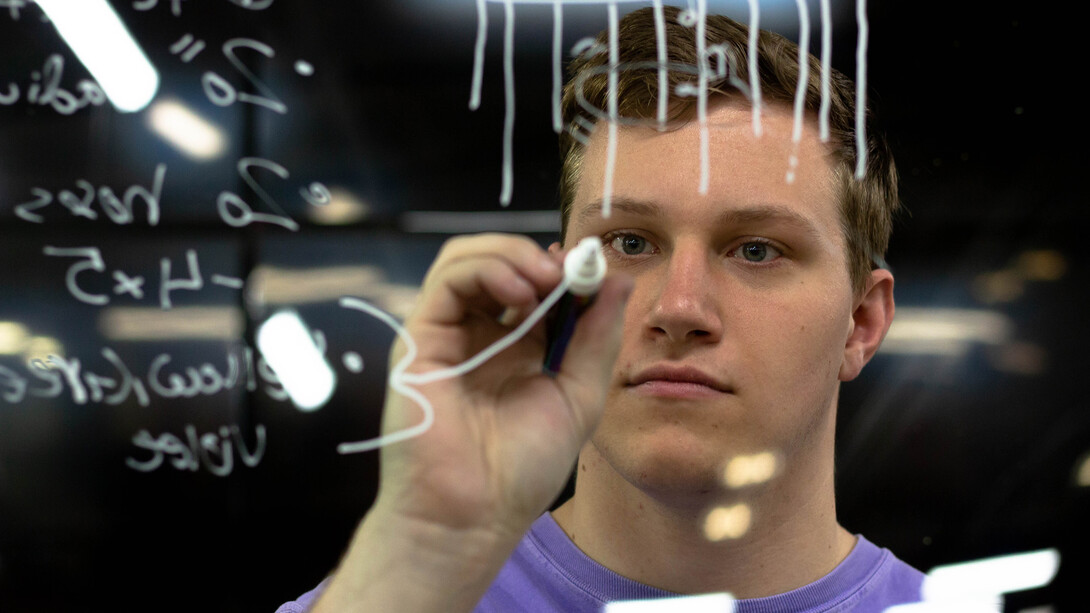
column 548, row 573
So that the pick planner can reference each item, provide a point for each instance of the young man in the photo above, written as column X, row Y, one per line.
column 699, row 392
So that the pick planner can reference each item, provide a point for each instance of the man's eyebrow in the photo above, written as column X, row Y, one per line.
column 769, row 212
column 730, row 217
column 628, row 206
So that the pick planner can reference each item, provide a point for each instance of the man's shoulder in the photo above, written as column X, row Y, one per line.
column 882, row 580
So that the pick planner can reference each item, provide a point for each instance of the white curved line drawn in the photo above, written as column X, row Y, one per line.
column 401, row 381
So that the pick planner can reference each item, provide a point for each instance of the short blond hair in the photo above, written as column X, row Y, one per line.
column 867, row 205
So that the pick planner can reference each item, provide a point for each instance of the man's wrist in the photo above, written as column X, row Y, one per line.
column 398, row 562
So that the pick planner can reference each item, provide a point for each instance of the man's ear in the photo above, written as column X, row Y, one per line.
column 871, row 319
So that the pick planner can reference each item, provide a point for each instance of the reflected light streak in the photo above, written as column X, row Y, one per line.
column 991, row 576
column 939, row 331
column 13, row 337
column 1082, row 472
column 289, row 348
column 1042, row 265
column 186, row 131
column 99, row 39
column 41, row 347
column 701, row 603
column 153, row 323
column 724, row 523
column 344, row 207
column 746, row 470
column 269, row 285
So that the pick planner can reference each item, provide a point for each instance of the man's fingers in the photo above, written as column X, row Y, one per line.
column 487, row 285
column 523, row 254
column 588, row 364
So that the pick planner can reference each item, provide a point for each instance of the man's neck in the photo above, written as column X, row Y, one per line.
column 757, row 541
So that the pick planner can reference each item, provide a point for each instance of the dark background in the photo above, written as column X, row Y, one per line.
column 948, row 454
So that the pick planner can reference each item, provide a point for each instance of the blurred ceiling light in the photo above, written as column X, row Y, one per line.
column 42, row 347
column 1042, row 265
column 344, row 207
column 272, row 285
column 1082, row 471
column 1019, row 358
column 13, row 337
column 289, row 348
column 187, row 131
column 99, row 39
column 724, row 523
column 746, row 470
column 189, row 323
column 280, row 286
column 937, row 331
column 462, row 222
column 989, row 604
column 991, row 576
column 998, row 286
column 701, row 603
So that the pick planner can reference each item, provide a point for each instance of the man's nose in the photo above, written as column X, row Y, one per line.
column 685, row 308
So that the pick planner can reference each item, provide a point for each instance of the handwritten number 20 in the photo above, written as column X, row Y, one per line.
column 222, row 93
column 235, row 211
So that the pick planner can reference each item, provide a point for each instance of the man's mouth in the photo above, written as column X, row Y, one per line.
column 677, row 381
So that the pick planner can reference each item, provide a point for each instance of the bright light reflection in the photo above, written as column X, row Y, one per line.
column 344, row 207
column 935, row 331
column 99, row 39
column 154, row 324
column 746, row 470
column 991, row 576
column 1082, row 472
column 724, row 523
column 289, row 348
column 702, row 603
column 41, row 347
column 990, row 604
column 187, row 131
column 13, row 337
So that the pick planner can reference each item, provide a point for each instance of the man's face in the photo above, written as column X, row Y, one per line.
column 735, row 331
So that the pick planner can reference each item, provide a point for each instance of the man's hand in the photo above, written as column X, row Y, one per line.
column 454, row 501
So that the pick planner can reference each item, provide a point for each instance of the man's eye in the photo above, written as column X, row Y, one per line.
column 757, row 252
column 630, row 244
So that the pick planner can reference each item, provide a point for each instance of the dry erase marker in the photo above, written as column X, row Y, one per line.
column 584, row 270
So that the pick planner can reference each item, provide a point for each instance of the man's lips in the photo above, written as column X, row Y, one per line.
column 677, row 381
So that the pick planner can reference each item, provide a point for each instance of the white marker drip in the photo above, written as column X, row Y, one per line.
column 702, row 93
column 826, row 55
column 861, row 89
column 660, row 45
column 611, row 146
column 478, row 56
column 508, row 99
column 558, row 35
column 754, row 76
column 801, row 87
column 400, row 381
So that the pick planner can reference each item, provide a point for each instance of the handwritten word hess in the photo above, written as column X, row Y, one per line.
column 45, row 90
column 120, row 211
column 90, row 260
column 214, row 451
column 48, row 379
